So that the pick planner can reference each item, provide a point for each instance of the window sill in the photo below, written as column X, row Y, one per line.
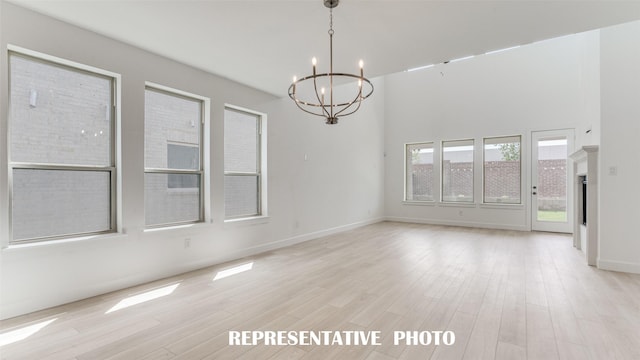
column 458, row 204
column 253, row 220
column 174, row 226
column 63, row 241
column 419, row 203
column 502, row 206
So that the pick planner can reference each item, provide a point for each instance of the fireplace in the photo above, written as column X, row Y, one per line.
column 585, row 224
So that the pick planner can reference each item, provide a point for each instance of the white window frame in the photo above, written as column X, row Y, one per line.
column 407, row 167
column 442, row 159
column 484, row 181
column 201, row 171
column 115, row 181
column 261, row 168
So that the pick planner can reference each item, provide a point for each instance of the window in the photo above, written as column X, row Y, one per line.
column 419, row 172
column 182, row 156
column 173, row 122
column 502, row 170
column 243, row 170
column 62, row 152
column 457, row 171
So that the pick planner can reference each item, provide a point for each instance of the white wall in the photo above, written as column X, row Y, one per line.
column 547, row 85
column 306, row 198
column 620, row 194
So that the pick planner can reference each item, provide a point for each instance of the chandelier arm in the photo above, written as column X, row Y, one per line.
column 307, row 111
column 298, row 102
column 315, row 89
column 348, row 105
column 357, row 100
column 360, row 100
column 349, row 113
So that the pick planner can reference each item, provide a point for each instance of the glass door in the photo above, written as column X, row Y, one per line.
column 551, row 186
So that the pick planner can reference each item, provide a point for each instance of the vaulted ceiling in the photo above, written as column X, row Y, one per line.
column 263, row 43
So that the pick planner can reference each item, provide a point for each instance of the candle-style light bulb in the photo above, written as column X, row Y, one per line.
column 322, row 97
column 314, row 61
column 361, row 68
column 361, row 63
column 295, row 78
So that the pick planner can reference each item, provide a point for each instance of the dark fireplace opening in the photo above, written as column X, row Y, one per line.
column 583, row 180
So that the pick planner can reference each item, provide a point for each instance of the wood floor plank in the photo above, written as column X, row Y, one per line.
column 541, row 342
column 484, row 337
column 513, row 323
column 288, row 353
column 571, row 351
column 461, row 324
column 507, row 351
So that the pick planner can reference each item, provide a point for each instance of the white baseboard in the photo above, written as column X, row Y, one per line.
column 136, row 279
column 458, row 223
column 281, row 243
column 621, row 266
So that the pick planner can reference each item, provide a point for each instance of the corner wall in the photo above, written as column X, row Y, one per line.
column 306, row 198
column 619, row 161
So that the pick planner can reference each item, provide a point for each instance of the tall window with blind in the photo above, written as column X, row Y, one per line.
column 457, row 171
column 62, row 168
column 173, row 122
column 502, row 170
column 243, row 163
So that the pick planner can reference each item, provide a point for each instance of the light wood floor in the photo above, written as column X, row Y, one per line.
column 505, row 294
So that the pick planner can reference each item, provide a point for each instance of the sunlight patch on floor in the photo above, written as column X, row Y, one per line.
column 23, row 333
column 144, row 297
column 233, row 271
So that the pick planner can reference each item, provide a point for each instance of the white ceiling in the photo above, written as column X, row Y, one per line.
column 263, row 43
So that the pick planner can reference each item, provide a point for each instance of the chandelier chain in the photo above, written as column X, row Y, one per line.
column 330, row 21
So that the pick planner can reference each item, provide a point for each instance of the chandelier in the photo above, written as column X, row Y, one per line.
column 309, row 92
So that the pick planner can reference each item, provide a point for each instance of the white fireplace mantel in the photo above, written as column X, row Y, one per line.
column 585, row 163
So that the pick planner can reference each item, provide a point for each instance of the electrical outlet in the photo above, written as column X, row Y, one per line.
column 460, row 213
column 187, row 243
